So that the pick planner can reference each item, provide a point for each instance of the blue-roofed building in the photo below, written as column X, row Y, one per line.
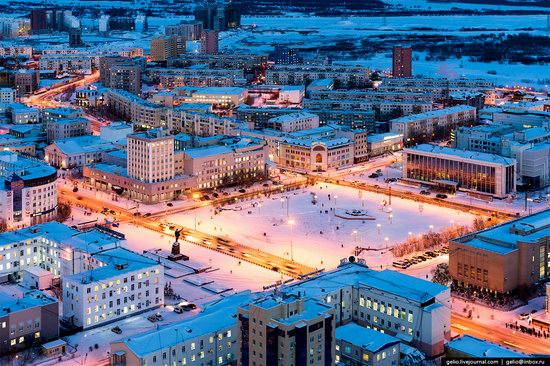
column 468, row 346
column 53, row 246
column 360, row 346
column 210, row 337
column 499, row 259
column 77, row 152
column 28, row 190
column 121, row 283
column 416, row 311
column 38, row 312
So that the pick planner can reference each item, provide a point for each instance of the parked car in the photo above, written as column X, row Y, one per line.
column 441, row 195
column 426, row 193
column 524, row 316
column 169, row 204
column 152, row 318
column 116, row 330
column 373, row 175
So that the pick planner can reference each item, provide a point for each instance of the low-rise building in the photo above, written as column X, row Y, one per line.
column 453, row 169
column 7, row 95
column 219, row 96
column 21, row 114
column 294, row 122
column 66, row 128
column 28, row 190
column 469, row 346
column 123, row 283
column 360, row 346
column 27, row 321
column 499, row 259
column 343, row 76
column 69, row 63
column 77, row 152
column 380, row 144
column 209, row 338
column 134, row 109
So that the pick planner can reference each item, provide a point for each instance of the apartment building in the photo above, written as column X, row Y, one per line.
column 217, row 96
column 350, row 94
column 190, row 30
column 209, row 42
column 438, row 87
column 426, row 124
column 67, row 128
column 164, row 47
column 402, row 62
column 499, row 259
column 343, row 76
column 7, row 95
column 23, row 115
column 379, row 144
column 121, row 284
column 197, row 76
column 132, row 108
column 69, row 63
column 28, row 190
column 452, row 169
column 286, row 330
column 200, row 124
column 27, row 321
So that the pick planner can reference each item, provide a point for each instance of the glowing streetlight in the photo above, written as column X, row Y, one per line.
column 355, row 236
column 386, row 239
column 291, row 223
column 378, row 226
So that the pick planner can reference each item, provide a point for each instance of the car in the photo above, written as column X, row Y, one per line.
column 159, row 317
column 169, row 204
column 75, row 189
column 147, row 214
column 115, row 224
column 441, row 195
column 178, row 309
column 116, row 330
column 524, row 316
column 191, row 306
column 112, row 212
column 425, row 193
column 152, row 318
column 373, row 175
column 400, row 265
column 242, row 191
column 137, row 214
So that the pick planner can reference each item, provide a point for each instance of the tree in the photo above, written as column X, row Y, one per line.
column 441, row 274
column 63, row 212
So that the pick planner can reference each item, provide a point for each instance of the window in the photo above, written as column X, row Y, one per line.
column 410, row 318
column 365, row 357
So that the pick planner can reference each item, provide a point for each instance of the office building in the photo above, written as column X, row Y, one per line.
column 121, row 284
column 151, row 156
column 286, row 330
column 451, row 169
column 27, row 321
column 217, row 96
column 384, row 143
column 39, row 21
column 499, row 259
column 402, row 62
column 28, row 190
column 25, row 82
column 209, row 42
column 190, row 30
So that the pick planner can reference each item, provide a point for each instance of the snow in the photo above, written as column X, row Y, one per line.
column 339, row 236
column 368, row 339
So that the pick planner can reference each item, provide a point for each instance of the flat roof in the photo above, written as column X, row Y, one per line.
column 480, row 348
column 368, row 339
column 464, row 154
column 433, row 114
column 31, row 299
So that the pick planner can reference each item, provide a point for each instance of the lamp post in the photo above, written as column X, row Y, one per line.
column 386, row 239
column 355, row 236
column 378, row 228
column 291, row 223
column 195, row 196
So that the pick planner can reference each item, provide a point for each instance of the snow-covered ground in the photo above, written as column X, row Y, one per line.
column 318, row 238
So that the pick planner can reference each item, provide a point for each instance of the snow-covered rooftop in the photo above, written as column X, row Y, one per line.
column 366, row 338
column 480, row 348
column 463, row 154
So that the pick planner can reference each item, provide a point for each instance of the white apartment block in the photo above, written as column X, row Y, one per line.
column 221, row 96
column 294, row 122
column 200, row 124
column 7, row 95
column 151, row 156
column 16, row 51
column 22, row 115
column 28, row 190
column 426, row 123
column 135, row 109
column 122, row 283
column 72, row 63
column 303, row 74
column 52, row 246
column 439, row 88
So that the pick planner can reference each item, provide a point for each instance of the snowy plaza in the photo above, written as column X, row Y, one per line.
column 291, row 222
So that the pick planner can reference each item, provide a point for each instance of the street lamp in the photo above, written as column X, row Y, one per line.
column 291, row 223
column 355, row 236
column 378, row 228
column 431, row 227
column 386, row 239
column 260, row 208
column 390, row 216
column 195, row 196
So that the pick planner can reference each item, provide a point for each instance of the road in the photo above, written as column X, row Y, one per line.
column 219, row 244
column 505, row 337
column 46, row 99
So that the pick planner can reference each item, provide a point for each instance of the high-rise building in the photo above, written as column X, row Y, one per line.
column 283, row 55
column 164, row 47
column 151, row 156
column 120, row 73
column 233, row 15
column 75, row 37
column 209, row 42
column 39, row 21
column 285, row 331
column 218, row 17
column 402, row 62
